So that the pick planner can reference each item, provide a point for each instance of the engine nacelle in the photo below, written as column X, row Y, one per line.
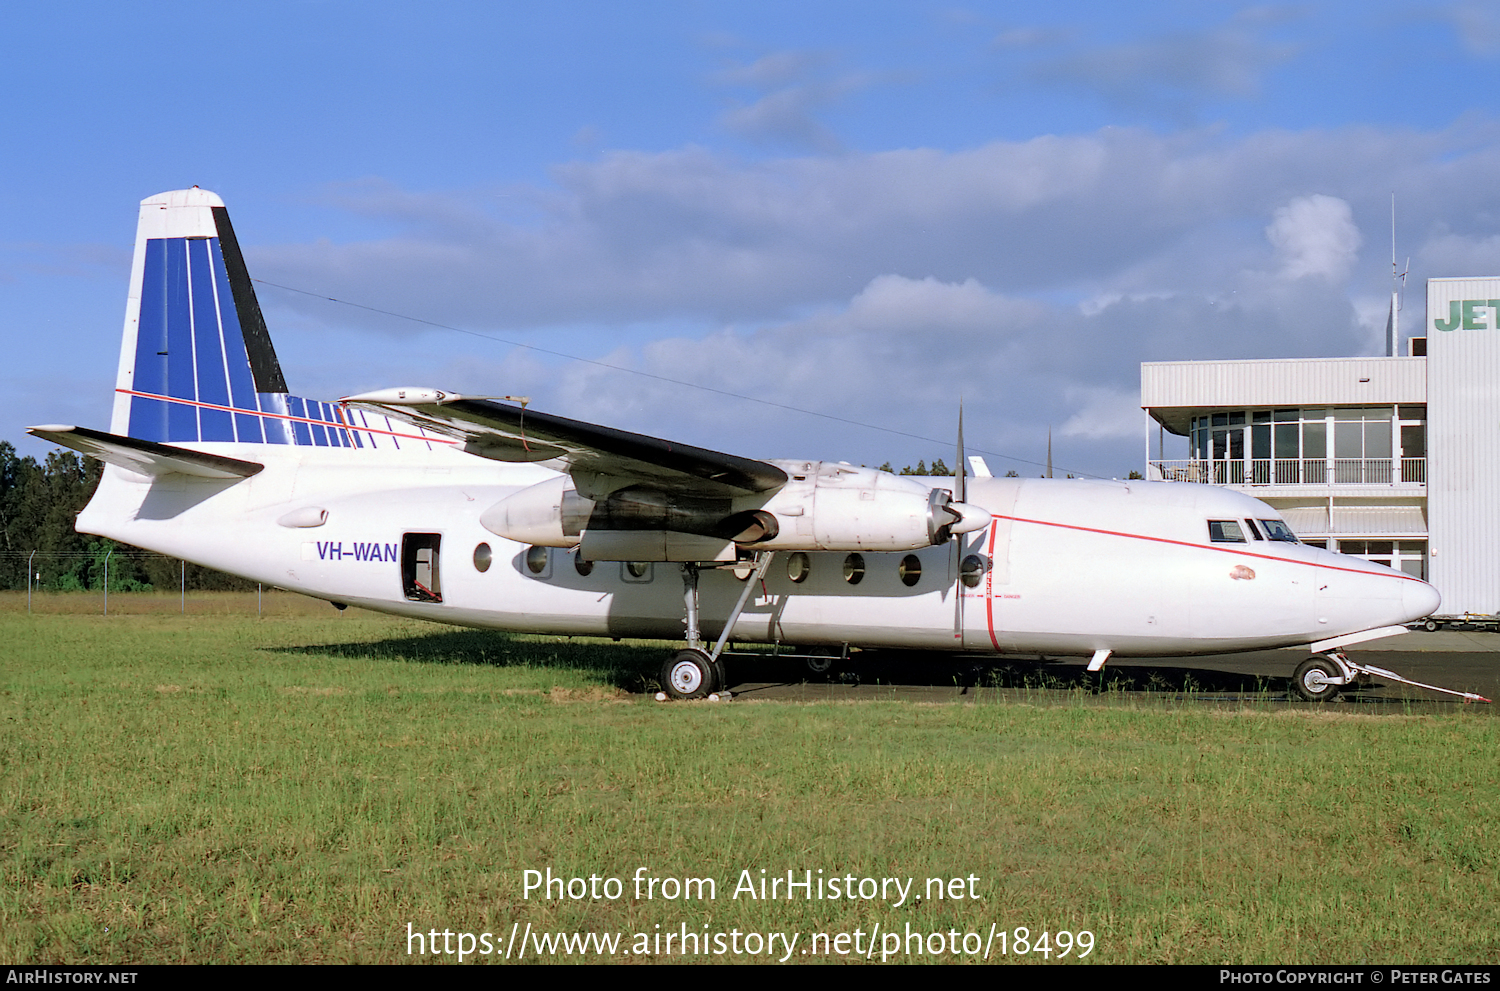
column 838, row 507
column 822, row 507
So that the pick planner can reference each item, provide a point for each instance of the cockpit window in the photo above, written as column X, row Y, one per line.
column 1277, row 530
column 1225, row 532
column 1250, row 525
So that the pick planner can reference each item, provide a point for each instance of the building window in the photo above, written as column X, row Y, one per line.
column 1369, row 445
column 1406, row 556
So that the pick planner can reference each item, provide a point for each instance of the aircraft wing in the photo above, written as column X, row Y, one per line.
column 145, row 457
column 504, row 432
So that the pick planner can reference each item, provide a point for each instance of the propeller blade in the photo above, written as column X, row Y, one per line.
column 959, row 472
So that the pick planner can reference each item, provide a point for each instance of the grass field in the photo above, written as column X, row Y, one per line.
column 302, row 786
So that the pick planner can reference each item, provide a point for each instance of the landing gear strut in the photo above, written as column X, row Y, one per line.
column 697, row 672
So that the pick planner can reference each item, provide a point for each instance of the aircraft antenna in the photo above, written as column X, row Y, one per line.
column 1398, row 282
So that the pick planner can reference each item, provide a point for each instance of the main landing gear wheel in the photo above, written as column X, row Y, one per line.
column 691, row 674
column 820, row 663
column 1313, row 681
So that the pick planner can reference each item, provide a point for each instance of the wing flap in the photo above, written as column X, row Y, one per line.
column 514, row 433
column 143, row 456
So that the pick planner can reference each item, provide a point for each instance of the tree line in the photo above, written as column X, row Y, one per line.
column 938, row 468
column 39, row 503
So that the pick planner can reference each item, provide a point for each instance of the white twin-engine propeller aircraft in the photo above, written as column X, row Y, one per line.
column 482, row 513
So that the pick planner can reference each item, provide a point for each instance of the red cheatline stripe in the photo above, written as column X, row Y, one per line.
column 989, row 599
column 336, row 425
column 1202, row 547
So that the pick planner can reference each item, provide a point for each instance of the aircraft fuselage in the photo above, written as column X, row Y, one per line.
column 1066, row 566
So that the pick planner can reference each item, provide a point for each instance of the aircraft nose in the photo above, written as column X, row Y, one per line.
column 1419, row 599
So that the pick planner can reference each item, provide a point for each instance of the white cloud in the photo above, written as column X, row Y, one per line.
column 637, row 236
column 1315, row 235
column 776, row 69
column 1022, row 38
column 1031, row 277
column 787, row 116
column 791, row 88
column 897, row 304
column 1169, row 73
column 1459, row 255
column 1104, row 414
column 1478, row 26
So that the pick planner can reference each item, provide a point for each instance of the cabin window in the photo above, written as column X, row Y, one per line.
column 1225, row 532
column 420, row 578
column 1277, row 530
column 483, row 556
column 971, row 571
column 537, row 560
column 638, row 572
column 854, row 569
column 798, row 566
column 581, row 566
column 910, row 570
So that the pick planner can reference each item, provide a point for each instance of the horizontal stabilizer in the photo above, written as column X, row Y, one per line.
column 143, row 456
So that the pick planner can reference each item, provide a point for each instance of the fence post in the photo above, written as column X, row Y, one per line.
column 106, row 580
column 183, row 604
column 28, row 582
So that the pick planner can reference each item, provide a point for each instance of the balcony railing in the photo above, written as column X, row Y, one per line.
column 1294, row 471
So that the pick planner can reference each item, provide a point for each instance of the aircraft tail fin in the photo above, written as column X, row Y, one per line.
column 196, row 361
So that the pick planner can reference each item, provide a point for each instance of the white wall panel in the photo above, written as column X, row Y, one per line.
column 1284, row 382
column 1463, row 442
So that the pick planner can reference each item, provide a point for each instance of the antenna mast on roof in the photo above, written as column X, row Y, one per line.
column 1398, row 281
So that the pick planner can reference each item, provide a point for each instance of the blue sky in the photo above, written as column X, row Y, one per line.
column 860, row 210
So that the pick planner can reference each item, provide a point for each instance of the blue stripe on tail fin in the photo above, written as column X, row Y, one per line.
column 196, row 362
column 190, row 346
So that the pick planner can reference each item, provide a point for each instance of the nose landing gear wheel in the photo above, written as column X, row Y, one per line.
column 1313, row 680
column 691, row 674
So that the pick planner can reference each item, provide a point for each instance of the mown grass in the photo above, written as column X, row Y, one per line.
column 299, row 788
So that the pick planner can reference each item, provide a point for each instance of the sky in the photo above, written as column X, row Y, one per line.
column 804, row 230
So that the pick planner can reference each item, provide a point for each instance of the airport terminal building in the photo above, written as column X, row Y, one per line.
column 1393, row 459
